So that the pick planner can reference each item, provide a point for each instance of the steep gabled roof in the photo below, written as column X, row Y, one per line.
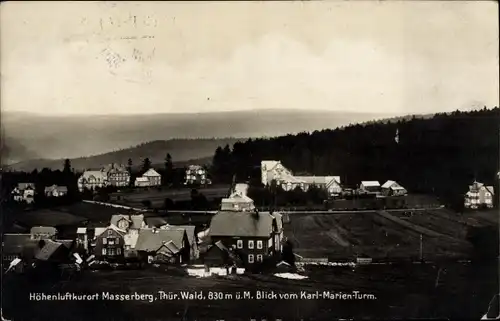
column 98, row 175
column 151, row 173
column 190, row 231
column 245, row 224
column 269, row 164
column 48, row 250
column 370, row 183
column 490, row 189
column 150, row 240
column 100, row 230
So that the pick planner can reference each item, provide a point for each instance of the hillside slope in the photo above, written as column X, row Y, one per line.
column 440, row 155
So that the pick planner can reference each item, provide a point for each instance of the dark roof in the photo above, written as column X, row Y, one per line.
column 191, row 235
column 48, row 250
column 44, row 229
column 150, row 240
column 228, row 223
column 15, row 243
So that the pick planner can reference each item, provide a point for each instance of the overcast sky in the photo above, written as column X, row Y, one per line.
column 148, row 57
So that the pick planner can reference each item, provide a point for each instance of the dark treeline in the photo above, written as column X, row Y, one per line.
column 440, row 155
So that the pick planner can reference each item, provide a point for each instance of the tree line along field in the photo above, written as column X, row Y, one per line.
column 456, row 291
column 342, row 236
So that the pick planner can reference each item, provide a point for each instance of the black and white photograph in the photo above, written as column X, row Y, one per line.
column 249, row 160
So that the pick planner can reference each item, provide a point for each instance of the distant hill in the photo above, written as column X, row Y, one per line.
column 41, row 139
column 183, row 152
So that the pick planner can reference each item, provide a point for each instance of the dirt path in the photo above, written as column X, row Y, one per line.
column 411, row 226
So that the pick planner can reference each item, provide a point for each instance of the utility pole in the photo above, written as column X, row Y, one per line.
column 421, row 249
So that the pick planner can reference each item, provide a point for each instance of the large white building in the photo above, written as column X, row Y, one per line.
column 274, row 170
column 149, row 178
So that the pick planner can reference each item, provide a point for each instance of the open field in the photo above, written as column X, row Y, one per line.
column 461, row 292
column 394, row 234
column 157, row 197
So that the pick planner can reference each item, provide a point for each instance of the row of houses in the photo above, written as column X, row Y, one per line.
column 25, row 192
column 132, row 238
column 116, row 175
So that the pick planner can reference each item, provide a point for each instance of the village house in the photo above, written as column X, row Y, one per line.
column 369, row 187
column 194, row 251
column 24, row 192
column 163, row 246
column 149, row 178
column 237, row 201
column 392, row 188
column 219, row 255
column 131, row 224
column 43, row 232
column 92, row 180
column 479, row 195
column 117, row 175
column 108, row 243
column 196, row 175
column 252, row 236
column 56, row 191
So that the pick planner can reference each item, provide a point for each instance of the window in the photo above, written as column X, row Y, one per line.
column 259, row 245
column 250, row 244
column 250, row 258
column 111, row 252
column 239, row 244
column 118, row 251
column 104, row 240
column 259, row 257
column 110, row 232
column 104, row 251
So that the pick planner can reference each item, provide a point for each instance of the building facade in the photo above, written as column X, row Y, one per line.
column 196, row 175
column 253, row 236
column 117, row 175
column 92, row 180
column 149, row 178
column 479, row 196
column 109, row 244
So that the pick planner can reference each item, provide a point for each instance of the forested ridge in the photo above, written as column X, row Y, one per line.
column 440, row 154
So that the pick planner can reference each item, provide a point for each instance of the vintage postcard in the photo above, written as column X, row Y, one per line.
column 249, row 160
